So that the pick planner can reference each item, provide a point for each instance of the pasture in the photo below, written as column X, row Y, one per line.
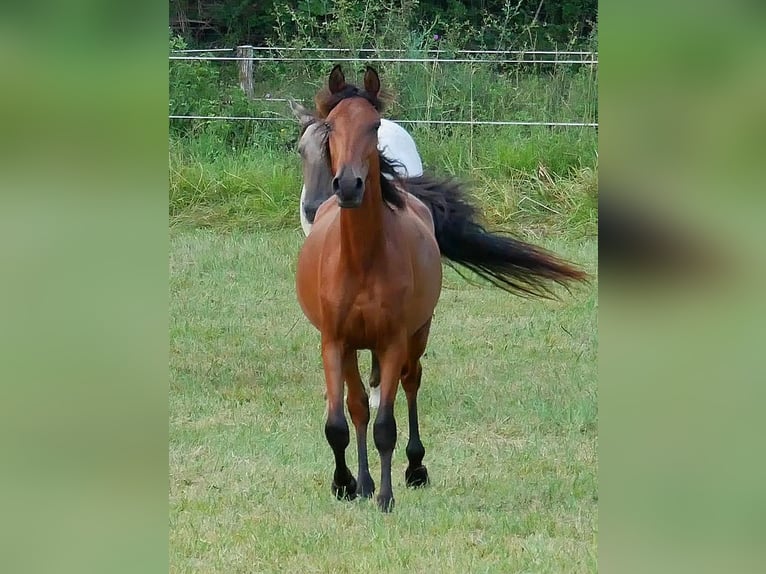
column 508, row 415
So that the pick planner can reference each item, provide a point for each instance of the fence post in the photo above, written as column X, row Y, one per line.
column 246, row 69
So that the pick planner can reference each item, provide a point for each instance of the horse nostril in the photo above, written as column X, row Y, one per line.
column 335, row 184
column 359, row 183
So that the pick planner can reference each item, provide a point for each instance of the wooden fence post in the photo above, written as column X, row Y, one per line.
column 246, row 69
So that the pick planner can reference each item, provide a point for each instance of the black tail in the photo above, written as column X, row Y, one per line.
column 508, row 263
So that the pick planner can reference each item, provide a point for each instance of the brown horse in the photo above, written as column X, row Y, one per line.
column 369, row 277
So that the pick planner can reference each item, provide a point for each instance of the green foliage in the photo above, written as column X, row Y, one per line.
column 505, row 24
column 194, row 85
column 242, row 174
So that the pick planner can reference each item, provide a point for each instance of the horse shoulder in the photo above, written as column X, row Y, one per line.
column 326, row 209
column 421, row 211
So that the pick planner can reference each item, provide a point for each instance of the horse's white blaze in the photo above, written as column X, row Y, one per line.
column 397, row 145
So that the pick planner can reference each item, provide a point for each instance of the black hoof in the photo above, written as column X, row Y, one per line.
column 417, row 477
column 365, row 487
column 346, row 491
column 385, row 503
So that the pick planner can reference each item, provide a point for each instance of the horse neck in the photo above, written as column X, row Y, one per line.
column 361, row 228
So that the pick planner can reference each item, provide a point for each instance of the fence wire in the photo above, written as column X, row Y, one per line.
column 392, row 50
column 374, row 59
column 581, row 57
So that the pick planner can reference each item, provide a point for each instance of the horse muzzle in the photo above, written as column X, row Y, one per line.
column 310, row 210
column 348, row 188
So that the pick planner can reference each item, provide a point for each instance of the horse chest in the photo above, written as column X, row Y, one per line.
column 362, row 316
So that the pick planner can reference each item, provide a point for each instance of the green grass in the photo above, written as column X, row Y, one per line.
column 527, row 178
column 508, row 418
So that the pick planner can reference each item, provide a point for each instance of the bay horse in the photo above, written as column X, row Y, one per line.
column 394, row 142
column 369, row 277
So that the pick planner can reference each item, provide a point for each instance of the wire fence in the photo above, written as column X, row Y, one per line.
column 247, row 56
column 593, row 55
column 437, row 122
column 374, row 59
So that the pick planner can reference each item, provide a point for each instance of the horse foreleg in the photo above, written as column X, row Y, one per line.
column 384, row 428
column 336, row 427
column 359, row 409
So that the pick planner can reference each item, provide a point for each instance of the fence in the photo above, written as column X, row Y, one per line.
column 247, row 56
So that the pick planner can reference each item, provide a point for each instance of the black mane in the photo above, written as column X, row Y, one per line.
column 391, row 193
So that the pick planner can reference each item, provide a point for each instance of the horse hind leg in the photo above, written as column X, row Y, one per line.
column 416, row 474
column 359, row 409
column 374, row 381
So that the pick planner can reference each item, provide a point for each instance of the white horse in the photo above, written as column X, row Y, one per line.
column 393, row 142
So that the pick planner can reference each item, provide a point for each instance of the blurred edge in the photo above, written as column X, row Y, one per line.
column 83, row 300
column 681, row 323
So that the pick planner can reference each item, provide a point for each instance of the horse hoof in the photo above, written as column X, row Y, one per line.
column 346, row 491
column 416, row 477
column 385, row 502
column 365, row 487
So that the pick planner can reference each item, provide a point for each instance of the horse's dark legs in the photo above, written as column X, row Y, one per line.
column 384, row 428
column 416, row 474
column 336, row 427
column 384, row 433
column 359, row 409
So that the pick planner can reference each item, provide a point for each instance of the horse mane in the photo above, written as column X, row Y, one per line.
column 392, row 194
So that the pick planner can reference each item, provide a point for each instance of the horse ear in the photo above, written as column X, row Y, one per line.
column 304, row 116
column 337, row 80
column 371, row 82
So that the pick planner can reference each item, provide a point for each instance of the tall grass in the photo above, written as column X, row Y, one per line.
column 532, row 178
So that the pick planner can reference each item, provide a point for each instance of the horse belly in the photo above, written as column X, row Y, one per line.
column 426, row 276
column 428, row 282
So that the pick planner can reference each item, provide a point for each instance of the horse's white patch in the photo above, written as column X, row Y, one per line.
column 304, row 220
column 397, row 144
column 374, row 397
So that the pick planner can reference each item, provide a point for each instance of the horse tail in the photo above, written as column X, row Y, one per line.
column 508, row 263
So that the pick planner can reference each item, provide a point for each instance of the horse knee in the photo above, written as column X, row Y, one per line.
column 384, row 432
column 359, row 409
column 336, row 431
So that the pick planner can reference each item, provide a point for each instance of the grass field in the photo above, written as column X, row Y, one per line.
column 508, row 415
